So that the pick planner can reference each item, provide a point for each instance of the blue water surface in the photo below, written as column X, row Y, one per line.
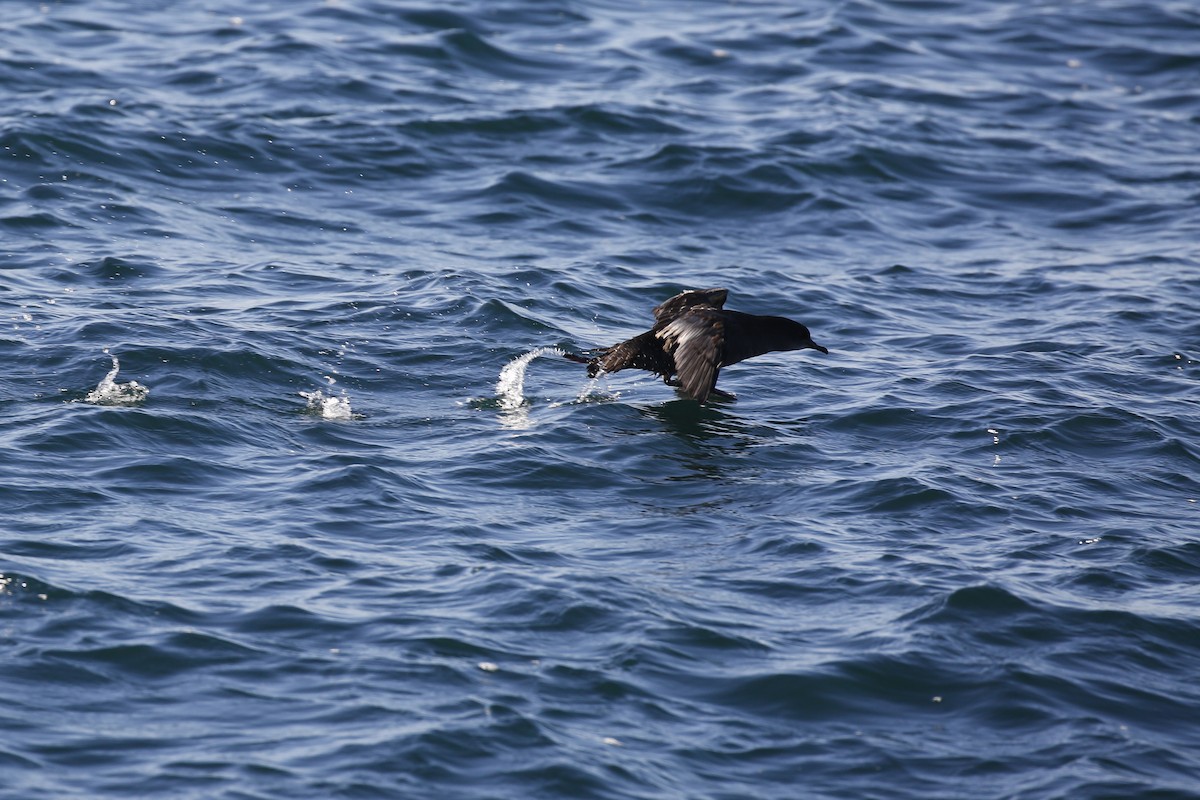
column 275, row 525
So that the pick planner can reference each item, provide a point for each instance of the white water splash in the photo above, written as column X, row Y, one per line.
column 329, row 406
column 510, row 388
column 589, row 392
column 110, row 393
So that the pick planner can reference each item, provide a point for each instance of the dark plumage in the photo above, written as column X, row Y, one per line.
column 694, row 336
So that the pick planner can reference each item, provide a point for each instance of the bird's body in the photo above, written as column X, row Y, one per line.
column 694, row 336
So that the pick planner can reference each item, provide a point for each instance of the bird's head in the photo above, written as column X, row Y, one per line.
column 797, row 337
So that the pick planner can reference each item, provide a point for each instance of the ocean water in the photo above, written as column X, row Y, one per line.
column 299, row 499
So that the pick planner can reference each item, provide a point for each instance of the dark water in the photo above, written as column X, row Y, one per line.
column 957, row 557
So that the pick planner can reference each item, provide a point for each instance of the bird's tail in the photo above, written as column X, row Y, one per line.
column 593, row 364
column 640, row 352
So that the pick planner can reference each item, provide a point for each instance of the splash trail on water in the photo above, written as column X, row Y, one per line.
column 329, row 406
column 510, row 388
column 110, row 393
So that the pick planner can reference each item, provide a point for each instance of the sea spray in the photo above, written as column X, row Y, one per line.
column 329, row 406
column 510, row 388
column 110, row 393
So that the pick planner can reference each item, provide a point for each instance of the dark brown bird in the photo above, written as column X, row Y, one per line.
column 694, row 336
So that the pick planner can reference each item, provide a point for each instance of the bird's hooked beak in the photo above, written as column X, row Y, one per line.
column 816, row 346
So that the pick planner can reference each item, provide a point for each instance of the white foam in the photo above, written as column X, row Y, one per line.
column 110, row 393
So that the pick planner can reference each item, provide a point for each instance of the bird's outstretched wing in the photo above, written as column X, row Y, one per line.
column 682, row 302
column 695, row 340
